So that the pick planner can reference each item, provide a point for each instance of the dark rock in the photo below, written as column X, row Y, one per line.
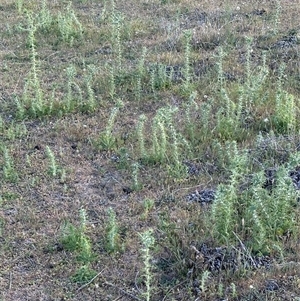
column 203, row 196
column 272, row 285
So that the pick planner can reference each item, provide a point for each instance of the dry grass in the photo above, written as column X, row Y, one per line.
column 35, row 207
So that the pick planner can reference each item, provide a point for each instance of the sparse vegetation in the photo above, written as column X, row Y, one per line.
column 176, row 116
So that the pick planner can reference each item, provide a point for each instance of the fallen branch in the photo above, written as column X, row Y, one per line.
column 88, row 283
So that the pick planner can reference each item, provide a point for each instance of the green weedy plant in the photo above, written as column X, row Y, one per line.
column 19, row 5
column 285, row 107
column 260, row 217
column 223, row 213
column 140, row 134
column 117, row 23
column 277, row 16
column 148, row 204
column 272, row 215
column 106, row 140
column 204, row 278
column 255, row 80
column 177, row 169
column 160, row 77
column 84, row 275
column 187, row 55
column 53, row 168
column 69, row 101
column 90, row 104
column 160, row 123
column 33, row 95
column 112, row 82
column 136, row 185
column 140, row 74
column 148, row 242
column 191, row 106
column 159, row 140
column 12, row 130
column 75, row 239
column 112, row 233
column 44, row 18
column 9, row 172
column 69, row 26
column 220, row 58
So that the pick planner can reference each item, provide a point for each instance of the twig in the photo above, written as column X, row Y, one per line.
column 136, row 283
column 10, row 281
column 245, row 249
column 124, row 292
column 88, row 283
column 180, row 283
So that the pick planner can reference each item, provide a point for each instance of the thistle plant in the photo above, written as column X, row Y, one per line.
column 177, row 169
column 259, row 216
column 9, row 172
column 112, row 233
column 53, row 168
column 161, row 123
column 32, row 85
column 148, row 204
column 277, row 17
column 190, row 107
column 107, row 140
column 136, row 185
column 75, row 239
column 223, row 212
column 255, row 79
column 71, row 73
column 187, row 54
column 160, row 77
column 68, row 25
column 285, row 107
column 140, row 74
column 112, row 82
column 44, row 17
column 159, row 140
column 19, row 5
column 90, row 105
column 140, row 134
column 148, row 242
column 117, row 22
column 204, row 278
column 220, row 57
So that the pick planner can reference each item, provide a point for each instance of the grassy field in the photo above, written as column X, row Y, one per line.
column 149, row 150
